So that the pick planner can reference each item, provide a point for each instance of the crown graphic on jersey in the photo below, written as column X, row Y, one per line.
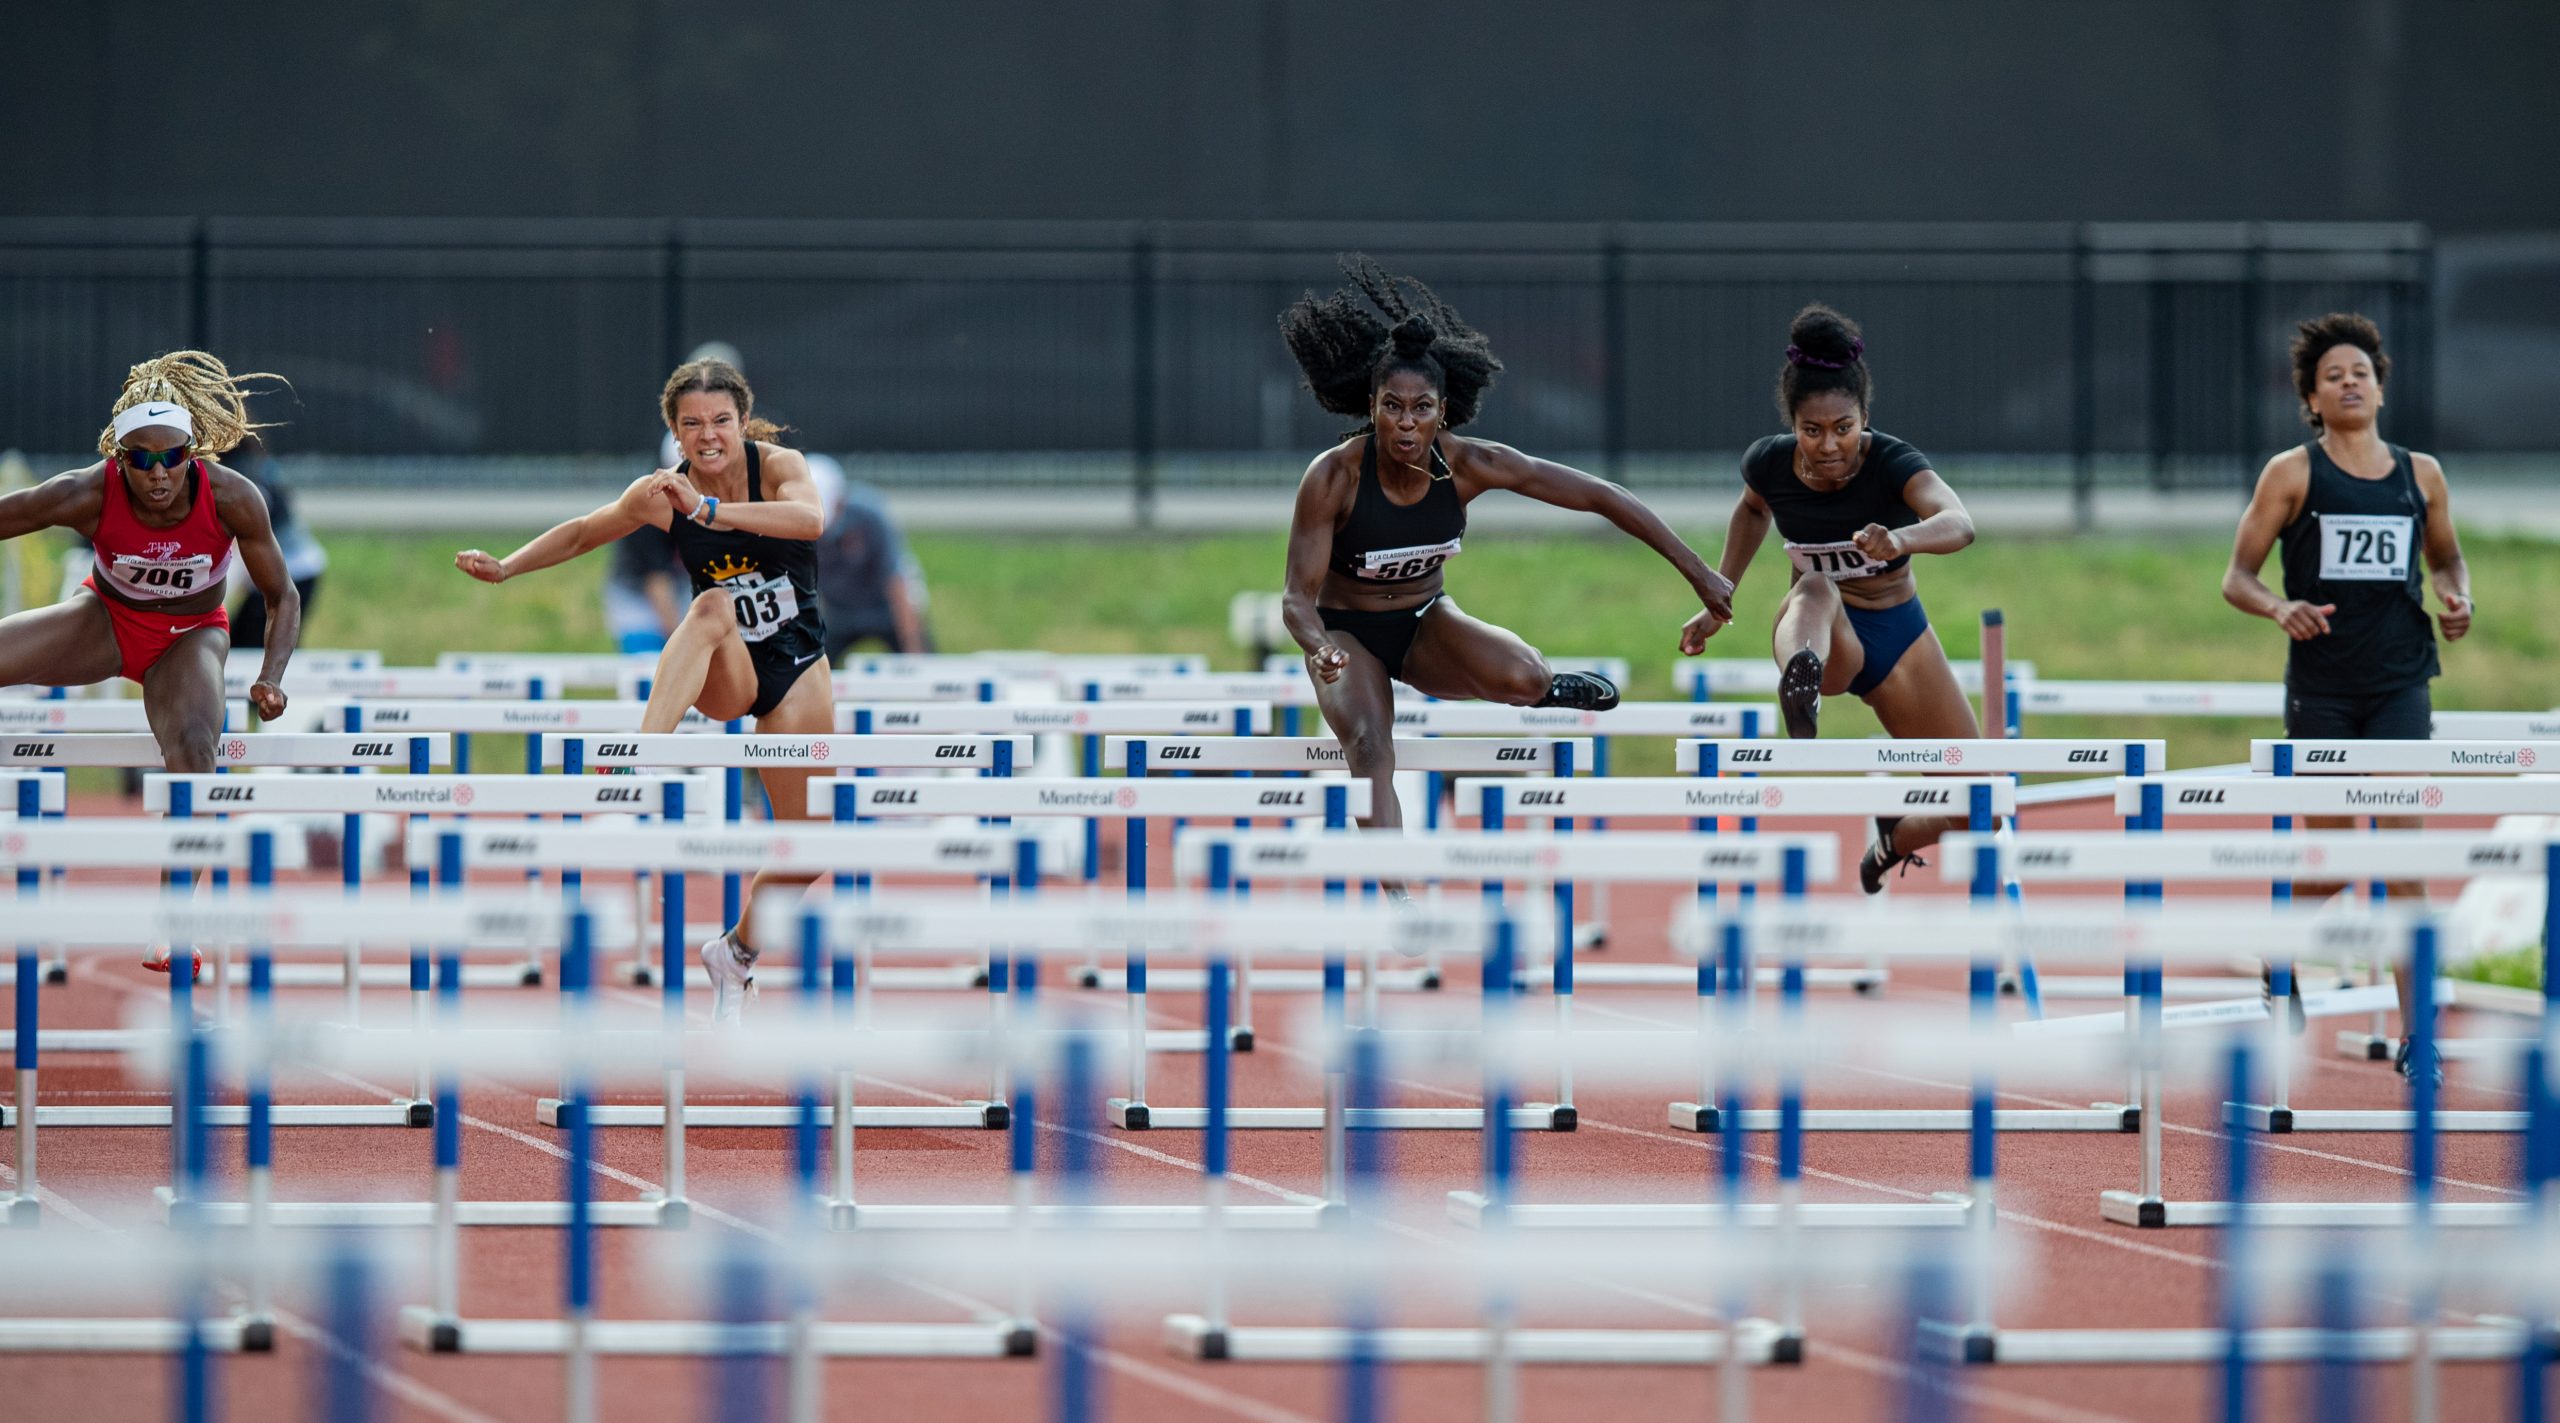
column 728, row 566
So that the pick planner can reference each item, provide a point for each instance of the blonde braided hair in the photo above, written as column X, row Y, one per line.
column 214, row 398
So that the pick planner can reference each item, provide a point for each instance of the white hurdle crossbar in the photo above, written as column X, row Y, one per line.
column 1336, row 804
column 2245, row 858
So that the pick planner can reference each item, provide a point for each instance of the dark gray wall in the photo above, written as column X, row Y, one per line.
column 1612, row 110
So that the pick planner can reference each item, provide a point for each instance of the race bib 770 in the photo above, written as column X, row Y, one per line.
column 1835, row 561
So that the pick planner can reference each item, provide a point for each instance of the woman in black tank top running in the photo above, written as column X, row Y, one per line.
column 2353, row 516
column 745, row 518
column 1380, row 515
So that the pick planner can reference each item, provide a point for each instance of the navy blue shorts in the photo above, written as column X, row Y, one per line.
column 1886, row 634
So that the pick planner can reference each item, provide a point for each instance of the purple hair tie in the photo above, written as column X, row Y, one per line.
column 1796, row 356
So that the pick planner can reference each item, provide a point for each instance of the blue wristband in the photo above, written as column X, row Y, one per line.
column 707, row 510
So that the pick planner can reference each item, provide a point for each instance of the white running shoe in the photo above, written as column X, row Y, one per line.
column 732, row 978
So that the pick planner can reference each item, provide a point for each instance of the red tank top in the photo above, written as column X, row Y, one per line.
column 148, row 565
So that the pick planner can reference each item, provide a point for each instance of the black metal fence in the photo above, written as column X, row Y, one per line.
column 1104, row 352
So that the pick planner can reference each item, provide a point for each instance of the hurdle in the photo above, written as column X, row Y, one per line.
column 579, row 1337
column 379, row 683
column 140, row 751
column 2484, row 751
column 1142, row 756
column 2341, row 789
column 2009, row 756
column 45, row 718
column 2497, row 726
column 997, row 755
column 674, row 849
column 1215, row 927
column 1336, row 804
column 567, row 671
column 1980, row 799
column 2254, row 857
column 1704, row 679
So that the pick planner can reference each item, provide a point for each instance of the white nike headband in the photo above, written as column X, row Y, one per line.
column 154, row 415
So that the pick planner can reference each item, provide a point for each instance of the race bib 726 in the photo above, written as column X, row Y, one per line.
column 2367, row 548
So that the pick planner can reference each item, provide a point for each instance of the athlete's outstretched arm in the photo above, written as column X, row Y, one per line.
column 2447, row 572
column 1568, row 488
column 2277, row 501
column 581, row 535
column 65, row 501
column 789, row 509
column 1944, row 525
column 1743, row 534
column 1320, row 497
column 243, row 511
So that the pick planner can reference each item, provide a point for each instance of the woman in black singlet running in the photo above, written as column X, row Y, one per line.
column 745, row 518
column 1852, row 505
column 1380, row 515
column 2364, row 527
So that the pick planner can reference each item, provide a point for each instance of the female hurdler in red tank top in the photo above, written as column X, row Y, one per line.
column 167, row 523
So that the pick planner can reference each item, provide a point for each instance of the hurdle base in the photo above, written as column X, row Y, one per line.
column 233, row 1335
column 1945, row 1210
column 2098, row 1117
column 21, row 1211
column 852, row 1215
column 422, row 1328
column 380, row 1114
column 2128, row 1208
column 1754, row 1341
column 57, row 973
column 1146, row 1116
column 1672, row 975
column 648, row 1211
column 2299, row 1120
column 419, row 1113
column 2369, row 1048
column 2284, row 1345
column 990, row 1116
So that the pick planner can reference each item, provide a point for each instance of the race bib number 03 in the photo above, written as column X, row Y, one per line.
column 763, row 605
column 1832, row 561
column 2365, row 548
column 1394, row 565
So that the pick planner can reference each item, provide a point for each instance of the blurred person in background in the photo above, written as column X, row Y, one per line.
column 872, row 585
column 304, row 559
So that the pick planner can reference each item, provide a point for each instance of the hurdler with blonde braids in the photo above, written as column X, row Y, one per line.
column 167, row 522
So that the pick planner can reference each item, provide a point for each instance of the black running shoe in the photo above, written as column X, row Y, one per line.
column 2435, row 1062
column 1800, row 695
column 1881, row 858
column 2295, row 1020
column 1581, row 691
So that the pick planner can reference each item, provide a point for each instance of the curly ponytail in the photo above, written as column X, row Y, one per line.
column 1348, row 342
column 215, row 400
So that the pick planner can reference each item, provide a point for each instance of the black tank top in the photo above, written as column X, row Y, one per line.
column 1817, row 524
column 2358, row 544
column 1387, row 542
column 773, row 583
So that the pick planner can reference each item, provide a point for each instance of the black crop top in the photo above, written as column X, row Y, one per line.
column 1817, row 525
column 1387, row 542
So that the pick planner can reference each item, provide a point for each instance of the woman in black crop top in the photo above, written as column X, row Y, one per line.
column 1852, row 505
column 1381, row 514
column 745, row 517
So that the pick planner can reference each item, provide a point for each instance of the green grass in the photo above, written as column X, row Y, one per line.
column 2119, row 608
column 2511, row 968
